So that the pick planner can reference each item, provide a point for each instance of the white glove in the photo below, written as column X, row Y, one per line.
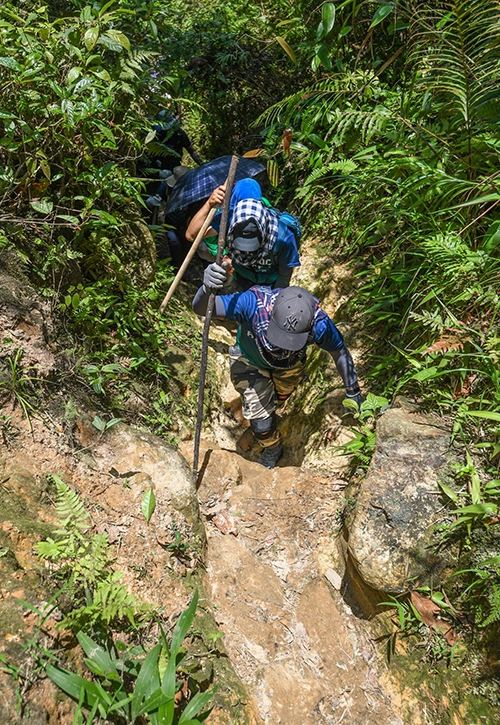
column 165, row 173
column 214, row 277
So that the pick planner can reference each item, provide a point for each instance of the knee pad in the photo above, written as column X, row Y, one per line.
column 265, row 427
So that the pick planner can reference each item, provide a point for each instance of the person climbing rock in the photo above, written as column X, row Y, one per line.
column 262, row 248
column 267, row 362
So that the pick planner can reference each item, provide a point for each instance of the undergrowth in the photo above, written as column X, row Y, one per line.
column 128, row 669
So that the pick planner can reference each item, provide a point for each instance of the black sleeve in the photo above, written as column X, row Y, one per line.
column 200, row 303
column 347, row 371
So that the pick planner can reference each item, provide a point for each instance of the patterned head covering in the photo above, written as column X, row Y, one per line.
column 267, row 224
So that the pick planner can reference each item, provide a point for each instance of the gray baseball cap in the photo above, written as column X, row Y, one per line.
column 246, row 236
column 176, row 174
column 291, row 319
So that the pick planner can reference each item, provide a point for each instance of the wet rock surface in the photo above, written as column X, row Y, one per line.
column 391, row 527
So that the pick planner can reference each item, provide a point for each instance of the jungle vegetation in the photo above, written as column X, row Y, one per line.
column 379, row 122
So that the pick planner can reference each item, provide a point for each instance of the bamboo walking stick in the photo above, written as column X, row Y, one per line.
column 208, row 314
column 189, row 257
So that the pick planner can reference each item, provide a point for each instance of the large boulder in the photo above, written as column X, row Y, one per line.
column 145, row 461
column 390, row 532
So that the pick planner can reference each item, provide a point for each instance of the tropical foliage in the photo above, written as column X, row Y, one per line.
column 394, row 151
column 379, row 119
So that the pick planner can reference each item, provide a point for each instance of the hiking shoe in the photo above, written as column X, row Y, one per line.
column 246, row 440
column 270, row 456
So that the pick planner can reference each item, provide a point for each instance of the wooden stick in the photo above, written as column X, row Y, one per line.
column 189, row 257
column 208, row 314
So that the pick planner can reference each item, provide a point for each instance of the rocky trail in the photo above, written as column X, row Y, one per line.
column 263, row 545
column 293, row 639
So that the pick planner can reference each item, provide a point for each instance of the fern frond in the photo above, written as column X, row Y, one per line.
column 494, row 600
column 460, row 59
column 454, row 258
column 344, row 167
column 69, row 507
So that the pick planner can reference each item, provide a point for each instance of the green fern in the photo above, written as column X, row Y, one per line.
column 69, row 508
column 461, row 60
column 109, row 602
column 85, row 564
column 494, row 600
column 343, row 167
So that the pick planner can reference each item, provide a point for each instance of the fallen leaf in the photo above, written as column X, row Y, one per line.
column 428, row 610
column 287, row 140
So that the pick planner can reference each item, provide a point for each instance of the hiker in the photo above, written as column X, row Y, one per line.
column 160, row 162
column 172, row 136
column 267, row 362
column 262, row 248
column 162, row 193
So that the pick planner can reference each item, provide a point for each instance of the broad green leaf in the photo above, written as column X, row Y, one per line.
column 195, row 705
column 473, row 202
column 425, row 374
column 112, row 422
column 103, row 75
column 73, row 74
column 148, row 504
column 151, row 135
column 382, row 12
column 68, row 218
column 324, row 56
column 183, row 624
column 318, row 141
column 492, row 487
column 297, row 146
column 286, row 48
column 153, row 702
column 43, row 207
column 273, row 172
column 10, row 63
column 98, row 423
column 328, row 17
column 351, row 404
column 72, row 684
column 494, row 561
column 345, row 30
column 96, row 653
column 478, row 509
column 147, row 682
column 45, row 167
column 90, row 37
column 119, row 38
column 452, row 495
column 32, row 166
column 488, row 414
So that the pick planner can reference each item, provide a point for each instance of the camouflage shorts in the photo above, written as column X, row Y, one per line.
column 259, row 387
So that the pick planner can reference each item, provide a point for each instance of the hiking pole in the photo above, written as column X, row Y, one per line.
column 208, row 314
column 189, row 257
